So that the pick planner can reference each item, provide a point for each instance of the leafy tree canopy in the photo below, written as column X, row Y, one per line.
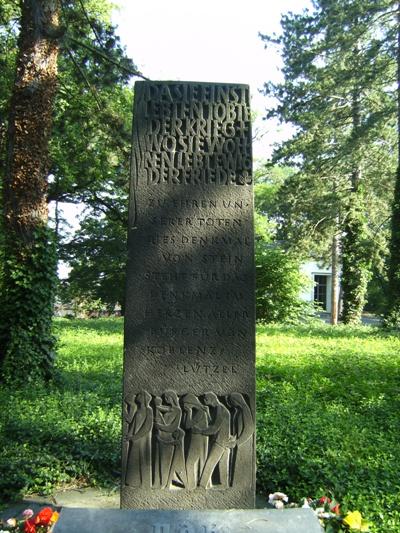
column 338, row 93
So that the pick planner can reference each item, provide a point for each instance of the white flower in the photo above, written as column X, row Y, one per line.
column 325, row 515
column 277, row 496
column 278, row 504
column 11, row 522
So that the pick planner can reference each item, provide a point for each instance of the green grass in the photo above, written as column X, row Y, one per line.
column 328, row 416
column 69, row 431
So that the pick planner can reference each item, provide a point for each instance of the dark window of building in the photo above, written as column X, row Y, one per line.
column 320, row 290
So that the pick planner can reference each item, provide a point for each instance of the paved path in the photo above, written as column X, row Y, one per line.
column 366, row 320
column 85, row 497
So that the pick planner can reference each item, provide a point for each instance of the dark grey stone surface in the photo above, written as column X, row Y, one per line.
column 189, row 385
column 156, row 521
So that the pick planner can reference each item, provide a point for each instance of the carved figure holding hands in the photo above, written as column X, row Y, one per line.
column 196, row 419
column 138, row 471
column 168, row 420
column 221, row 442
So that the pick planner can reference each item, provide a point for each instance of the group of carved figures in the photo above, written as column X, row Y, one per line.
column 184, row 442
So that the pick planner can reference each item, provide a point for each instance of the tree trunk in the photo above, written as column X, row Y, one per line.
column 393, row 312
column 335, row 279
column 355, row 260
column 26, row 343
column 355, row 264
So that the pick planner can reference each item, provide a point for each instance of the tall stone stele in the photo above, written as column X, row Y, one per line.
column 189, row 384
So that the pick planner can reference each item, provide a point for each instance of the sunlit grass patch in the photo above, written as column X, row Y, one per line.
column 329, row 417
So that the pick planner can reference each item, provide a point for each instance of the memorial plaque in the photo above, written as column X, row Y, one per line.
column 158, row 521
column 189, row 384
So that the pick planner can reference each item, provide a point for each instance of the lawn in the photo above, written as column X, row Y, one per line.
column 328, row 416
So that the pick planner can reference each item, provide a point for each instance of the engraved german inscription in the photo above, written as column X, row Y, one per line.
column 189, row 384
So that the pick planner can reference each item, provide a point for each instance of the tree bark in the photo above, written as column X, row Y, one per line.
column 393, row 312
column 355, row 261
column 335, row 279
column 28, row 279
column 25, row 182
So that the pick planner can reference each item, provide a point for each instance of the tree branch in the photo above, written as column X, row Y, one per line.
column 107, row 58
column 81, row 72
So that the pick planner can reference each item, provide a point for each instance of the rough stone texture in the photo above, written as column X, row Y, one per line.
column 189, row 385
column 151, row 521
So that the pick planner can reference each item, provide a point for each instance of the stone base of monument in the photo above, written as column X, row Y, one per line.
column 205, row 521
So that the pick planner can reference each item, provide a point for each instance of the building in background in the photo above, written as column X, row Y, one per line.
column 320, row 291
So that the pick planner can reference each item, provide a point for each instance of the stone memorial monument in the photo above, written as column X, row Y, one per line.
column 189, row 384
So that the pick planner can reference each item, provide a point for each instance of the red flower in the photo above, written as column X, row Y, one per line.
column 44, row 516
column 336, row 509
column 29, row 526
column 324, row 500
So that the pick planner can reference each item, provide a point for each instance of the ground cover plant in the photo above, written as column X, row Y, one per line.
column 328, row 416
column 67, row 432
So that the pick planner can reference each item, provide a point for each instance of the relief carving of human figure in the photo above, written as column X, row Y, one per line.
column 158, row 419
column 196, row 418
column 170, row 437
column 139, row 416
column 242, row 428
column 221, row 442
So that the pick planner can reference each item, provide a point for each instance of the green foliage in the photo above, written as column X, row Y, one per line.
column 86, row 307
column 278, row 278
column 337, row 91
column 27, row 298
column 392, row 315
column 28, row 278
column 90, row 145
column 376, row 291
column 97, row 255
column 68, row 431
column 278, row 285
column 268, row 182
column 356, row 264
column 328, row 412
column 9, row 13
column 327, row 416
column 89, row 149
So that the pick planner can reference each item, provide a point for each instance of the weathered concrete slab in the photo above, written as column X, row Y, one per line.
column 189, row 378
column 159, row 521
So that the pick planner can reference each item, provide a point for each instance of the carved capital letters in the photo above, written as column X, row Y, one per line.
column 189, row 383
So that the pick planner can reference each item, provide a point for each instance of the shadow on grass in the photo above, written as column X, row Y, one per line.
column 53, row 434
column 38, row 462
column 108, row 383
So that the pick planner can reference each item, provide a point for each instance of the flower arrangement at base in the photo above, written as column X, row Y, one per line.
column 29, row 522
column 328, row 512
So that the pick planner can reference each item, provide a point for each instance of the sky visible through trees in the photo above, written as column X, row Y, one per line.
column 169, row 41
column 214, row 42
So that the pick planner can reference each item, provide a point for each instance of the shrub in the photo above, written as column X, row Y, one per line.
column 279, row 281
